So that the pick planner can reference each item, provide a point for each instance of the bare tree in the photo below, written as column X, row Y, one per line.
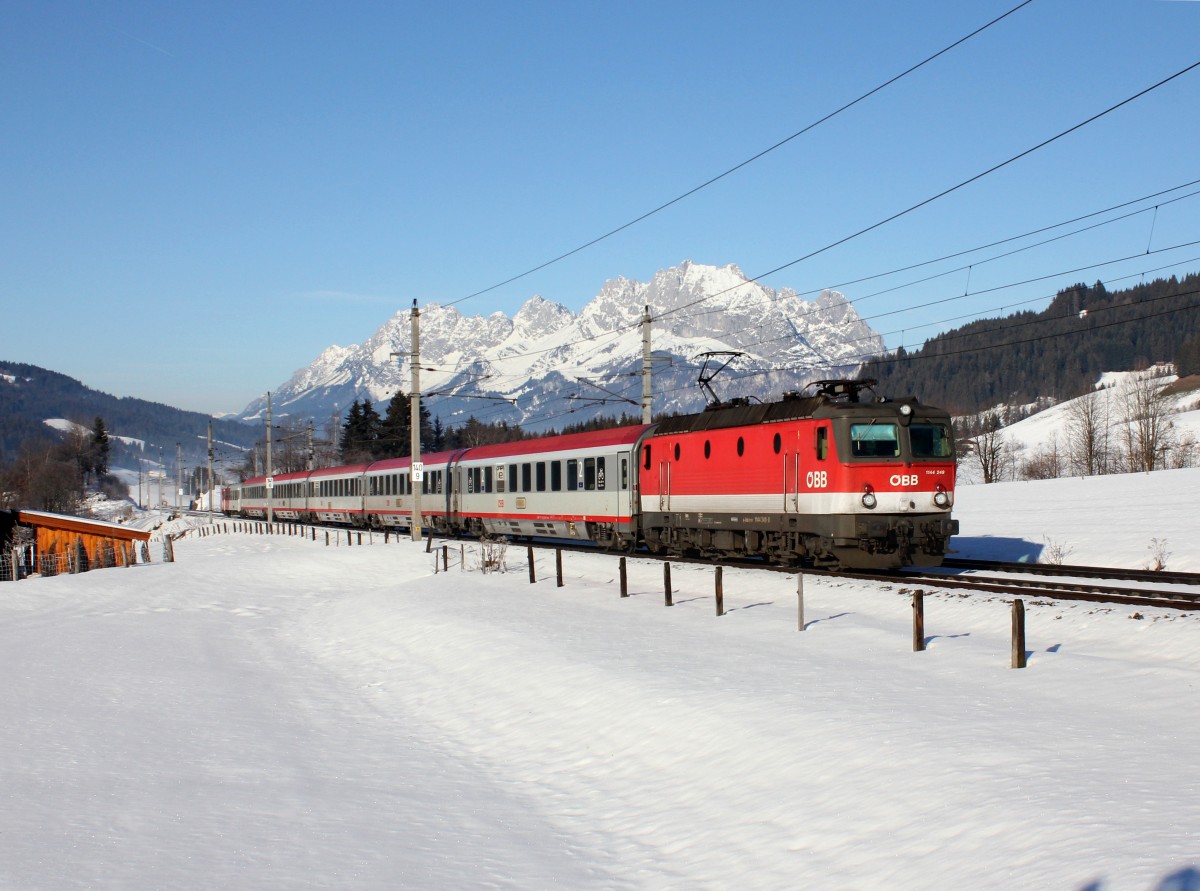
column 1089, row 446
column 1045, row 464
column 44, row 479
column 1148, row 434
column 991, row 452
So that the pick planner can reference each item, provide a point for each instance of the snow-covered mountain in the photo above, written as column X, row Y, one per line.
column 537, row 358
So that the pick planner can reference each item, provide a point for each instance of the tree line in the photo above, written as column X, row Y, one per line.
column 366, row 435
column 55, row 478
column 1127, row 430
column 1059, row 352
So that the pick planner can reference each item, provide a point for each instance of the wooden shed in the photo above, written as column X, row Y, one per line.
column 74, row 544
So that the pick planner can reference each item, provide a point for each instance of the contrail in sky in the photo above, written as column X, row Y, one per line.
column 144, row 42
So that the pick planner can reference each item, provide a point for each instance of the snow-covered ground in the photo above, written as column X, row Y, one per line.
column 269, row 712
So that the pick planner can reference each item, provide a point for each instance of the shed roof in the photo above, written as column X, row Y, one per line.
column 83, row 526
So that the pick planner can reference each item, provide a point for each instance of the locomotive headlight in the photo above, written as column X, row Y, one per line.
column 906, row 410
column 941, row 498
column 868, row 498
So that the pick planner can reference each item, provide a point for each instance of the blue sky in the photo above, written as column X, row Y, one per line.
column 200, row 197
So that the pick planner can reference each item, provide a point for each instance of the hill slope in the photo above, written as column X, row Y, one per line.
column 30, row 396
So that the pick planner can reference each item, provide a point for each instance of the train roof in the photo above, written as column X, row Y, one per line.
column 406, row 462
column 742, row 416
column 791, row 408
column 593, row 439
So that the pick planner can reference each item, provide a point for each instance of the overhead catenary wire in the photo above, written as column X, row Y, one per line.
column 745, row 163
column 871, row 317
column 944, row 192
column 873, row 358
column 604, row 337
column 867, row 357
column 910, row 209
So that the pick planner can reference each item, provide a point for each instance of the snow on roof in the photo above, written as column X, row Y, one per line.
column 80, row 524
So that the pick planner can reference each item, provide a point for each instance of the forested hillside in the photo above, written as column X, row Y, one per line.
column 29, row 395
column 1059, row 352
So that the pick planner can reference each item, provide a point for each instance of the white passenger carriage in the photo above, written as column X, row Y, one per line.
column 335, row 494
column 389, row 491
column 579, row 486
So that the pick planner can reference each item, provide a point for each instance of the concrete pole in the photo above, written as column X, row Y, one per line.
column 415, row 421
column 211, row 487
column 270, row 465
column 646, row 363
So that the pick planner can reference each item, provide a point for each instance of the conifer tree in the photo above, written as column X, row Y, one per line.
column 99, row 448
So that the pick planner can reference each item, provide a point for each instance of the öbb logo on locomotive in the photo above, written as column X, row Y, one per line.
column 830, row 480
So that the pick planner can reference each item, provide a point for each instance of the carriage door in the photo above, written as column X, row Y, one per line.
column 624, row 462
column 791, row 474
column 664, row 484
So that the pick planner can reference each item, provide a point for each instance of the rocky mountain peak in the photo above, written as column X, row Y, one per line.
column 534, row 358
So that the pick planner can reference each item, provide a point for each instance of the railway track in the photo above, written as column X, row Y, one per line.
column 1084, row 584
column 1157, row 577
column 1185, row 596
column 1078, row 582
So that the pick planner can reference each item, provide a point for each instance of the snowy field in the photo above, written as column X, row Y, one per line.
column 269, row 712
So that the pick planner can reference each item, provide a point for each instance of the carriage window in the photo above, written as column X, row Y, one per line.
column 600, row 484
column 646, row 455
column 526, row 477
column 540, row 476
column 487, row 479
column 624, row 474
column 874, row 440
column 822, row 443
column 572, row 474
column 501, row 479
column 930, row 440
column 589, row 473
column 556, row 476
column 514, row 483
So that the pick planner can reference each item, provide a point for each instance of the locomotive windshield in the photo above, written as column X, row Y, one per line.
column 875, row 440
column 931, row 440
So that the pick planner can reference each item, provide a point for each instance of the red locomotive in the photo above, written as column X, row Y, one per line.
column 826, row 480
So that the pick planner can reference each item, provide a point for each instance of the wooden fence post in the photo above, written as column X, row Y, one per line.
column 799, row 601
column 624, row 579
column 667, row 583
column 326, row 538
column 918, row 621
column 445, row 558
column 532, row 570
column 1018, row 633
column 558, row 565
column 720, row 591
